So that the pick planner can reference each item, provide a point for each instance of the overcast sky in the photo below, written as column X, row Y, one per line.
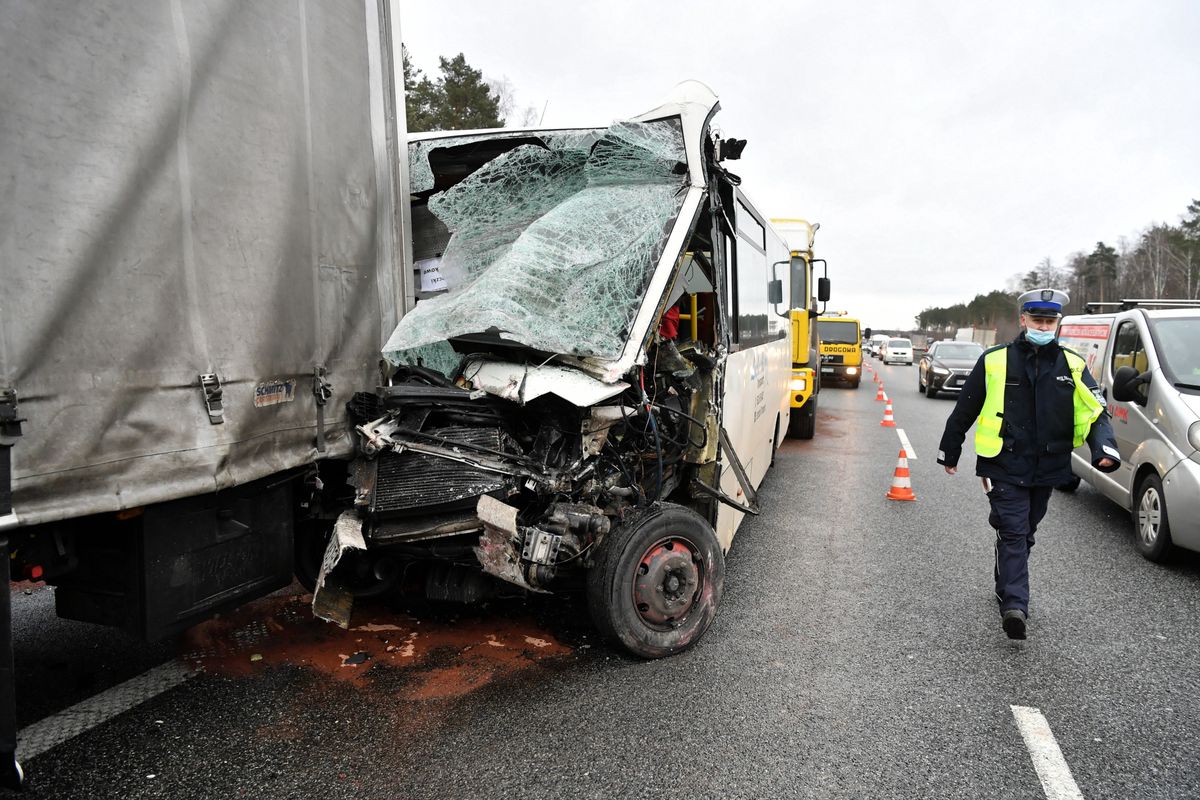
column 943, row 146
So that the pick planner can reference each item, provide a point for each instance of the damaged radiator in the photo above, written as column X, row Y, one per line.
column 412, row 482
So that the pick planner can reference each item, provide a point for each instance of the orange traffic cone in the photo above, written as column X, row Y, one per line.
column 888, row 420
column 879, row 395
column 901, row 485
column 875, row 376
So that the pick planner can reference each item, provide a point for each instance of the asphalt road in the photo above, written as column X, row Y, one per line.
column 857, row 654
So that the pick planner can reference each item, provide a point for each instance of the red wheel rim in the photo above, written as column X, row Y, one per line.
column 668, row 582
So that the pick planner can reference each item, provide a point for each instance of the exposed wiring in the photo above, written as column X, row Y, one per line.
column 658, row 464
column 577, row 555
column 703, row 428
column 623, row 467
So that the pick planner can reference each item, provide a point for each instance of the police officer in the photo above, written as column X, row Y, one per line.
column 1032, row 402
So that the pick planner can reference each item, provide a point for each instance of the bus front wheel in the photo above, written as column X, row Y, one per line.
column 803, row 424
column 657, row 582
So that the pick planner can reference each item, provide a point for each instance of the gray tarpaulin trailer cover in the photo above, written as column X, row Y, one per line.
column 189, row 189
column 200, row 258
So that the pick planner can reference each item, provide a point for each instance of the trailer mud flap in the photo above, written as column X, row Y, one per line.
column 333, row 602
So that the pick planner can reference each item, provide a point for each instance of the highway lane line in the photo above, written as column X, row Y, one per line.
column 1048, row 760
column 906, row 444
column 37, row 738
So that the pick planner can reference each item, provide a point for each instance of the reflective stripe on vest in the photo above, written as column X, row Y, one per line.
column 988, row 441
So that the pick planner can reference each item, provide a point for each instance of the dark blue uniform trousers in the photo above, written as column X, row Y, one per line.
column 1016, row 512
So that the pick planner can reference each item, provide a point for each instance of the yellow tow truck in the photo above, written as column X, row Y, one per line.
column 840, row 344
column 806, row 377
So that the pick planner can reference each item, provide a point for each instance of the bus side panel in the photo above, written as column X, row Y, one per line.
column 755, row 388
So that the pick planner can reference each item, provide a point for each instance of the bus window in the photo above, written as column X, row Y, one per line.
column 753, row 309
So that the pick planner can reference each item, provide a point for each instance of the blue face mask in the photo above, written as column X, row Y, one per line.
column 1039, row 337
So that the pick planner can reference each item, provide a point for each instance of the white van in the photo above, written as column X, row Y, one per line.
column 1146, row 360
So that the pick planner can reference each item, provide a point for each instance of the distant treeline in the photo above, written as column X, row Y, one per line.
column 1163, row 261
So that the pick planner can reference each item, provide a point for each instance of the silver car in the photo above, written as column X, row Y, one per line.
column 1147, row 363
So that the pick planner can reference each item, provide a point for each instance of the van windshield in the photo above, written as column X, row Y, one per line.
column 902, row 343
column 1178, row 342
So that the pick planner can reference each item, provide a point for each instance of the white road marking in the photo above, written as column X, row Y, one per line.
column 35, row 739
column 1048, row 760
column 906, row 444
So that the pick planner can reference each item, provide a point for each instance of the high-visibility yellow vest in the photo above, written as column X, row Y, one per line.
column 988, row 441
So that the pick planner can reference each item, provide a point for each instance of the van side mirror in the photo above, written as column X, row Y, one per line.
column 775, row 292
column 1125, row 384
column 823, row 289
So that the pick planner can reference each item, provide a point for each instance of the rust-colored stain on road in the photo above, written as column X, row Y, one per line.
column 440, row 658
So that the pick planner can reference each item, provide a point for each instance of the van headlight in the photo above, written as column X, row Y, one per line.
column 1194, row 435
column 798, row 384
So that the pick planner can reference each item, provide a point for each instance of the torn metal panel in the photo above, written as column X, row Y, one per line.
column 332, row 602
column 597, row 425
column 497, row 549
column 387, row 434
column 522, row 383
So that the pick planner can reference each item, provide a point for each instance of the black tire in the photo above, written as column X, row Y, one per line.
column 920, row 383
column 855, row 384
column 803, row 424
column 356, row 571
column 1151, row 527
column 310, row 540
column 657, row 582
column 930, row 392
column 1070, row 485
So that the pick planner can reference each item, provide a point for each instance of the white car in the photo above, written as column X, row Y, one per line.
column 897, row 351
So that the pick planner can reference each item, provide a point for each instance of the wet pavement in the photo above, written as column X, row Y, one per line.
column 857, row 653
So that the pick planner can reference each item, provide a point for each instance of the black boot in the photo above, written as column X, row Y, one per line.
column 1013, row 622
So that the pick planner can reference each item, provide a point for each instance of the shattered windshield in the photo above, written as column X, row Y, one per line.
column 553, row 246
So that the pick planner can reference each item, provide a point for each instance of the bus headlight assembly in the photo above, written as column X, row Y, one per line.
column 798, row 384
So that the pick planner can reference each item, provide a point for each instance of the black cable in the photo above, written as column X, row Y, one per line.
column 624, row 468
column 658, row 460
column 703, row 428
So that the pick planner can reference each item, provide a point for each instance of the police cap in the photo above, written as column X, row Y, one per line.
column 1043, row 302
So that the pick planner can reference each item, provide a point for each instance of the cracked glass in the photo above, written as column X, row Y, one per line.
column 553, row 246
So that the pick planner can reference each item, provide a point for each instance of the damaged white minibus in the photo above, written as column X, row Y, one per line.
column 591, row 386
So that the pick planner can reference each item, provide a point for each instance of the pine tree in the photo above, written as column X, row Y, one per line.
column 460, row 99
column 1102, row 270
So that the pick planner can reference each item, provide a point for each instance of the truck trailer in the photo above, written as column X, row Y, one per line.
column 200, row 247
